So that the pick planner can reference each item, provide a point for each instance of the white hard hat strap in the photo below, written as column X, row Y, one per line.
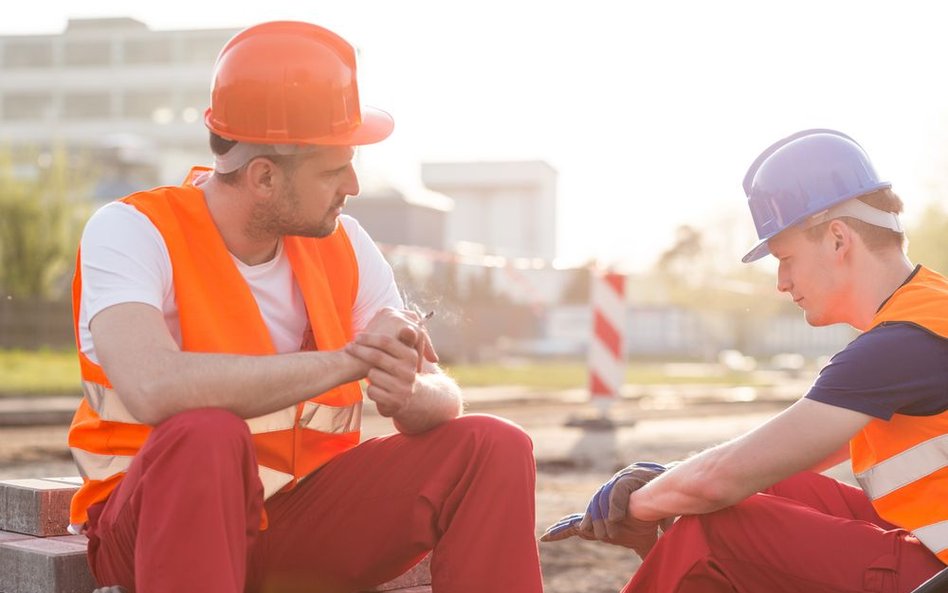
column 859, row 210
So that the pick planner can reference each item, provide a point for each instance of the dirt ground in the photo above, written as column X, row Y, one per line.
column 571, row 461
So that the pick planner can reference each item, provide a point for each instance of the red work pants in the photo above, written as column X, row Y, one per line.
column 186, row 516
column 806, row 534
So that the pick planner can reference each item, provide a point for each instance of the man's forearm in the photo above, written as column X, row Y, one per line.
column 249, row 386
column 684, row 490
column 436, row 399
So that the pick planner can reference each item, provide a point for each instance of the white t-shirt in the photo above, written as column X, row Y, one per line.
column 125, row 260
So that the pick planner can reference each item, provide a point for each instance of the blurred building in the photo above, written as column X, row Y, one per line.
column 508, row 207
column 127, row 97
column 393, row 217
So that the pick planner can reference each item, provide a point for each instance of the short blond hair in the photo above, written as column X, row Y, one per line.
column 875, row 237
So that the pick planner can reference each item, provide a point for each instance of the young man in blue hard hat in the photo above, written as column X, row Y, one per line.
column 224, row 325
column 752, row 513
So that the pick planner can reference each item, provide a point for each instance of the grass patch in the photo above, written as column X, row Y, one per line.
column 572, row 374
column 43, row 372
column 49, row 372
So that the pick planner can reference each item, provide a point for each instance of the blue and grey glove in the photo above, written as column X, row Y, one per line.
column 605, row 516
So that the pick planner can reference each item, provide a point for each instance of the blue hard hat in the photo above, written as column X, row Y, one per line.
column 802, row 175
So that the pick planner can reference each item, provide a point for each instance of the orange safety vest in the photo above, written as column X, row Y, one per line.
column 218, row 313
column 902, row 463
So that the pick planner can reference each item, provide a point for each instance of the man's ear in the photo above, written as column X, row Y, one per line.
column 261, row 176
column 841, row 236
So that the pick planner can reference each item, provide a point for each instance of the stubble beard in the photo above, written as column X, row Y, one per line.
column 281, row 217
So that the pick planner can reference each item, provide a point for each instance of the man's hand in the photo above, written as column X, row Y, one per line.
column 608, row 507
column 394, row 345
column 606, row 518
column 566, row 527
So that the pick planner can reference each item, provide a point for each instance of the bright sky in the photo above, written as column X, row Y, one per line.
column 651, row 112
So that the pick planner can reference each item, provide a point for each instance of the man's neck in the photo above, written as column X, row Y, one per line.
column 880, row 275
column 230, row 211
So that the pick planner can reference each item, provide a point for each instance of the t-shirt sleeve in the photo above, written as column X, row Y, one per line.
column 124, row 260
column 377, row 288
column 893, row 368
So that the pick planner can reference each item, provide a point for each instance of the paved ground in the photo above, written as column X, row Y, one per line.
column 659, row 424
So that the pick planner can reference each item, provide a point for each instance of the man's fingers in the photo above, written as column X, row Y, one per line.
column 388, row 403
column 408, row 337
column 565, row 528
column 425, row 348
column 619, row 501
column 430, row 354
column 385, row 353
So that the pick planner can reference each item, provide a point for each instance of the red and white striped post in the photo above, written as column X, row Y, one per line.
column 607, row 347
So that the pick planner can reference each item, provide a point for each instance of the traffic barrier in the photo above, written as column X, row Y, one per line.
column 607, row 346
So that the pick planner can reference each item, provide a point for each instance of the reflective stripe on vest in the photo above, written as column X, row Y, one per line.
column 935, row 537
column 318, row 417
column 106, row 404
column 904, row 468
column 331, row 419
column 272, row 480
column 95, row 466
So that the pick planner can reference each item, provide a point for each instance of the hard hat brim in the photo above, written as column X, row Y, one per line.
column 377, row 125
column 760, row 250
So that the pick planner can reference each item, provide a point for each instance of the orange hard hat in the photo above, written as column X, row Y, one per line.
column 288, row 82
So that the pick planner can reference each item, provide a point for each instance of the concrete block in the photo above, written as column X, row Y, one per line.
column 48, row 565
column 36, row 506
column 418, row 576
column 9, row 536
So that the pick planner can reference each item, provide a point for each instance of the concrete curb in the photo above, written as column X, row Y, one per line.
column 38, row 410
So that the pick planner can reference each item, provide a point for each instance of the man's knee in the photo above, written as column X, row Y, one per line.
column 205, row 428
column 494, row 433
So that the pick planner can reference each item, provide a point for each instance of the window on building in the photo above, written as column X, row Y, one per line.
column 146, row 104
column 27, row 54
column 148, row 51
column 26, row 106
column 86, row 105
column 87, row 53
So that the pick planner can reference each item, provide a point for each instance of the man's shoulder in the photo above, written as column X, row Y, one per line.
column 113, row 215
column 892, row 348
column 893, row 334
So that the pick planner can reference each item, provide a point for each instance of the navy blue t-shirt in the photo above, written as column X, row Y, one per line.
column 894, row 368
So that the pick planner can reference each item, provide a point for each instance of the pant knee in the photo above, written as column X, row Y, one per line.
column 205, row 429
column 495, row 435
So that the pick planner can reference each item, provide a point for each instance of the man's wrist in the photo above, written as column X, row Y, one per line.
column 352, row 368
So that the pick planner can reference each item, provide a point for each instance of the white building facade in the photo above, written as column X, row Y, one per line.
column 111, row 85
column 508, row 207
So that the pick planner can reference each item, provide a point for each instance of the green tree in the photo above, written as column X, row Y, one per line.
column 41, row 215
column 699, row 275
column 928, row 240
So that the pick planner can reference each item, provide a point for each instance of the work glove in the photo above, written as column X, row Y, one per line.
column 606, row 518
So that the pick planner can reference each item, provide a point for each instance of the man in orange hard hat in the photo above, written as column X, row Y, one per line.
column 223, row 327
column 754, row 513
